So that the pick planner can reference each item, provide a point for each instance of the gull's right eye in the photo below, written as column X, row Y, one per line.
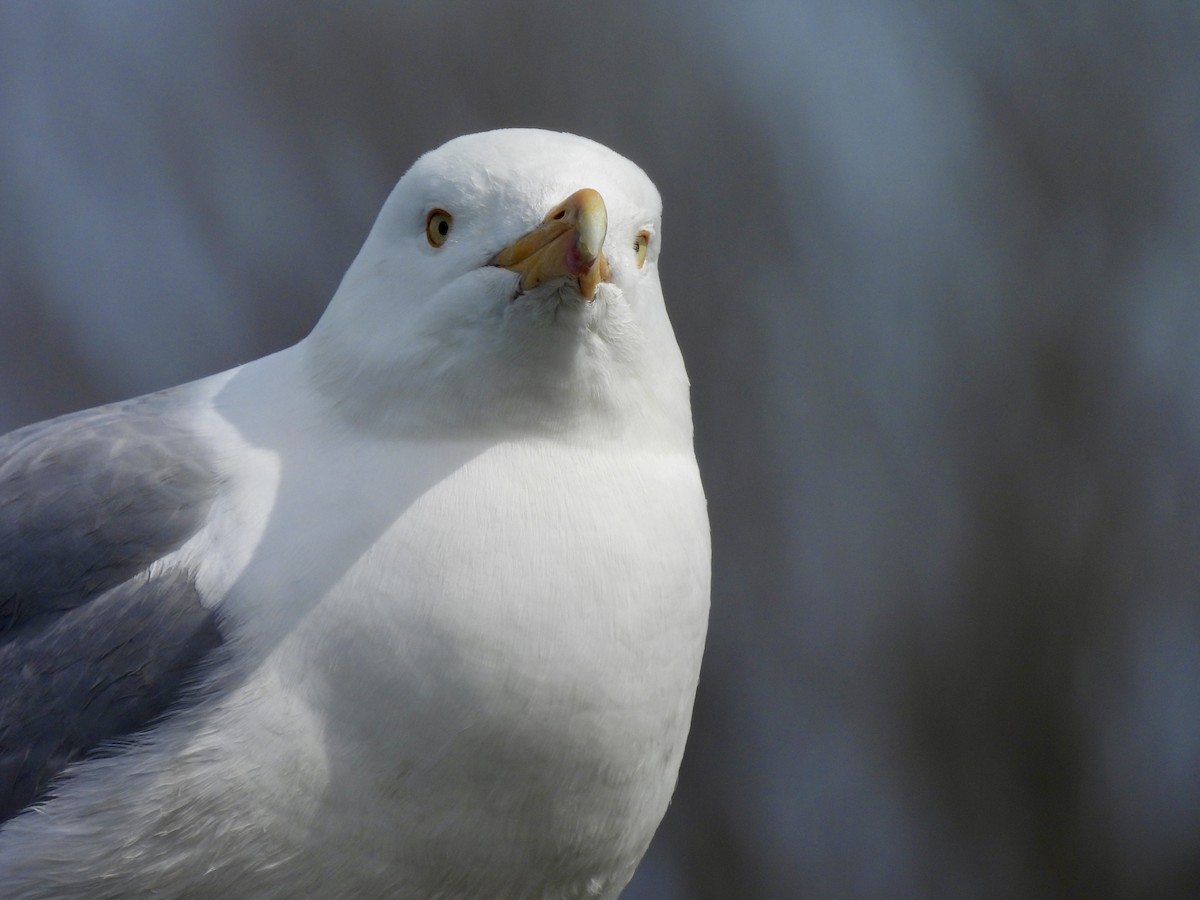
column 437, row 227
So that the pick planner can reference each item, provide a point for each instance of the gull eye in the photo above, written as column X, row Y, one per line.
column 641, row 244
column 437, row 227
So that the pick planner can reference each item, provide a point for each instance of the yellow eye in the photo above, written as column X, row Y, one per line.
column 641, row 244
column 437, row 227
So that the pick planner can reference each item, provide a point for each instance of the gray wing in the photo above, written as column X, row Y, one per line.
column 94, row 644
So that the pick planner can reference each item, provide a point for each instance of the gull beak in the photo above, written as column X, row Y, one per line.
column 567, row 243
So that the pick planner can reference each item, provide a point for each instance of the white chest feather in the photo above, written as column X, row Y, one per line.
column 486, row 667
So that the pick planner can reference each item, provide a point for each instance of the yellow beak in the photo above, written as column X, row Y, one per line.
column 569, row 242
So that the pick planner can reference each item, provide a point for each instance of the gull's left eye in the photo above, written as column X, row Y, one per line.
column 437, row 227
column 641, row 244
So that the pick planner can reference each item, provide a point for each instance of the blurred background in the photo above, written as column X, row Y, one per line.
column 935, row 271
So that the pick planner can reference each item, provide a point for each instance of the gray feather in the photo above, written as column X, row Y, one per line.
column 88, row 499
column 93, row 646
column 103, row 670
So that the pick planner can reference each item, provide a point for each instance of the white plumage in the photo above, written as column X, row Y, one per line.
column 457, row 546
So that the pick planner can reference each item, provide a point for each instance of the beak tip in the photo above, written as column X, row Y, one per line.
column 591, row 221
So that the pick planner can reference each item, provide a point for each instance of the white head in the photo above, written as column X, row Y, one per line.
column 465, row 312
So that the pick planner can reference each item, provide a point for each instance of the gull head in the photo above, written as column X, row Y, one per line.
column 510, row 283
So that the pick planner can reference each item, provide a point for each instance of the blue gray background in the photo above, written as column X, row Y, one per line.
column 935, row 270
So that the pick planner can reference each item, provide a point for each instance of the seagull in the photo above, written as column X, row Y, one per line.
column 414, row 608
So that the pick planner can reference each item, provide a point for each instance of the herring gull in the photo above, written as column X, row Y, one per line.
column 414, row 608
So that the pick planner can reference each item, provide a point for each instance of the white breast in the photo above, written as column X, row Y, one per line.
column 492, row 673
